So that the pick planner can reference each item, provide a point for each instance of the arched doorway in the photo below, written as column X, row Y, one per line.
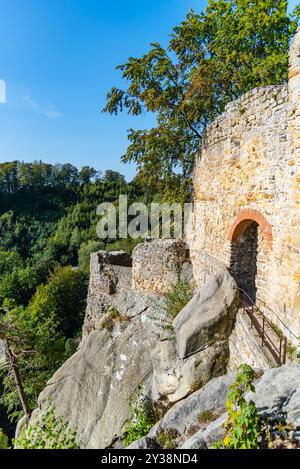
column 250, row 236
column 243, row 260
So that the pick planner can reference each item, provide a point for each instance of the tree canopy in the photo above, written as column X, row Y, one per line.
column 212, row 58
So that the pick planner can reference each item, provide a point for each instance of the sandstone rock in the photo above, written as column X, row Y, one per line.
column 144, row 443
column 131, row 304
column 277, row 395
column 208, row 317
column 215, row 431
column 93, row 389
column 195, row 442
column 175, row 378
column 185, row 414
column 278, row 392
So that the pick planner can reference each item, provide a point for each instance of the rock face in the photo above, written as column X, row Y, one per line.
column 198, row 351
column 197, row 421
column 134, row 345
column 94, row 388
column 209, row 317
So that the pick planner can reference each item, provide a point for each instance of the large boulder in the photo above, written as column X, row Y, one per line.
column 175, row 378
column 209, row 317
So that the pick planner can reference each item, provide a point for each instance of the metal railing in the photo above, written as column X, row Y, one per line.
column 271, row 337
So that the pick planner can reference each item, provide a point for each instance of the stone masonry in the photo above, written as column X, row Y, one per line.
column 247, row 195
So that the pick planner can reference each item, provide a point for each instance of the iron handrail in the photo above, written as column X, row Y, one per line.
column 278, row 352
column 271, row 311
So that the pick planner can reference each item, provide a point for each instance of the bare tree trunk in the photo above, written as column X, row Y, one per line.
column 13, row 362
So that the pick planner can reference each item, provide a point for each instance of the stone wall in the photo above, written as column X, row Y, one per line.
column 243, row 348
column 248, row 172
column 109, row 273
column 157, row 265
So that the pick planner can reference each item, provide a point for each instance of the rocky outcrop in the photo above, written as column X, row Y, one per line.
column 197, row 421
column 198, row 350
column 133, row 347
column 209, row 317
column 95, row 387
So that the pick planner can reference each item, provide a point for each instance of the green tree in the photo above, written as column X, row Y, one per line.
column 212, row 58
column 50, row 324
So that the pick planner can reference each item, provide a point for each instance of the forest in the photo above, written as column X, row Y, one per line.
column 47, row 233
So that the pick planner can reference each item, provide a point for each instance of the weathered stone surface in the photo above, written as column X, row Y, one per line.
column 278, row 392
column 277, row 395
column 157, row 265
column 215, row 431
column 131, row 304
column 94, row 387
column 185, row 414
column 144, row 443
column 247, row 177
column 208, row 317
column 195, row 442
column 175, row 378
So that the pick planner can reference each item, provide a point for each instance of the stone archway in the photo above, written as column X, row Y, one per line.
column 250, row 236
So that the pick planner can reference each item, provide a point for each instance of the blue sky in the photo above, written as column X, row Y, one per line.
column 58, row 61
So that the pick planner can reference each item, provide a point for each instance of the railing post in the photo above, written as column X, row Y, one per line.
column 285, row 352
column 263, row 332
column 280, row 352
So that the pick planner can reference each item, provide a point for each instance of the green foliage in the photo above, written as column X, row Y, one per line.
column 47, row 231
column 206, row 416
column 50, row 323
column 177, row 298
column 212, row 58
column 111, row 319
column 142, row 422
column 243, row 425
column 3, row 440
column 51, row 432
column 167, row 438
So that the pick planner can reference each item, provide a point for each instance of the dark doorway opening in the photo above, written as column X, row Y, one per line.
column 243, row 262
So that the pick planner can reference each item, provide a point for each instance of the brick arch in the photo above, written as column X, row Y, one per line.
column 242, row 222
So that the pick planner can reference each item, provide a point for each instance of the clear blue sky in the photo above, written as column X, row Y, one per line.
column 58, row 60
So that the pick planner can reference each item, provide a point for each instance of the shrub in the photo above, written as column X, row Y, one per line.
column 243, row 425
column 167, row 438
column 3, row 440
column 177, row 298
column 50, row 432
column 142, row 422
column 111, row 319
column 206, row 416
